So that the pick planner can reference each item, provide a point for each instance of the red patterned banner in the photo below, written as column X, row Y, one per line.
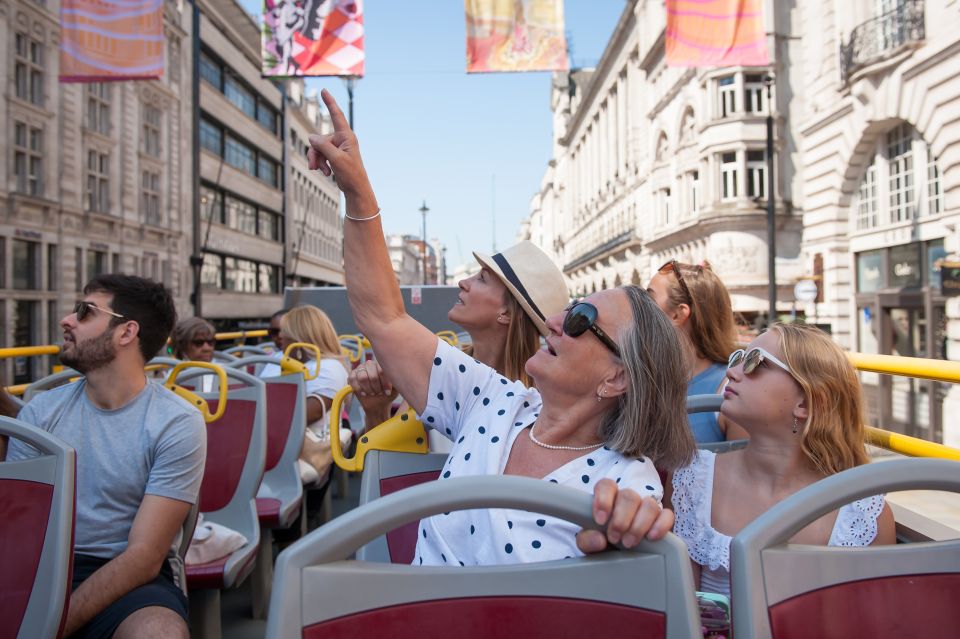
column 111, row 40
column 313, row 37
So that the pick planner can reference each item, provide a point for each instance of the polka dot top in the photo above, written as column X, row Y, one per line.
column 482, row 413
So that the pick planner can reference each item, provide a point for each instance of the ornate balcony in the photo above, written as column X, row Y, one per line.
column 878, row 36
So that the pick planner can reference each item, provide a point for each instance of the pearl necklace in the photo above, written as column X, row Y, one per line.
column 556, row 447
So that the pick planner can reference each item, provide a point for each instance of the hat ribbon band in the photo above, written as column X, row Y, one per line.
column 511, row 276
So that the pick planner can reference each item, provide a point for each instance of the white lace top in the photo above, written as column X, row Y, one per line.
column 856, row 523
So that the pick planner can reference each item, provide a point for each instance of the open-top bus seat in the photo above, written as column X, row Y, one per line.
column 245, row 350
column 318, row 592
column 236, row 451
column 384, row 473
column 280, row 497
column 50, row 381
column 37, row 501
column 710, row 404
column 782, row 590
column 222, row 357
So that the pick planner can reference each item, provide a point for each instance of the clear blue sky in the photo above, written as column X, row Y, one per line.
column 428, row 131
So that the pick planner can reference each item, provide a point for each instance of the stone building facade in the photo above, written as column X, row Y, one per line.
column 652, row 162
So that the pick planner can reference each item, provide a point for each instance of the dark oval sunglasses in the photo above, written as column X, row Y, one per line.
column 200, row 342
column 581, row 317
column 83, row 310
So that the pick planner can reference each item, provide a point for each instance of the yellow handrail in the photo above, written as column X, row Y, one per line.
column 29, row 351
column 195, row 399
column 449, row 337
column 909, row 446
column 936, row 369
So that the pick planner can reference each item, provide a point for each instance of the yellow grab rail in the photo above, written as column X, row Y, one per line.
column 29, row 351
column 195, row 399
column 449, row 337
column 909, row 446
column 290, row 365
column 936, row 369
column 402, row 433
column 355, row 351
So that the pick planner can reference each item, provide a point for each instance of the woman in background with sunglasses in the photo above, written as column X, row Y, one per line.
column 797, row 395
column 608, row 403
column 698, row 305
column 193, row 339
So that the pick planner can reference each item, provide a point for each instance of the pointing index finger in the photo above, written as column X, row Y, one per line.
column 336, row 115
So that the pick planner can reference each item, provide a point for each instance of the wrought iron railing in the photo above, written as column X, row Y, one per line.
column 868, row 41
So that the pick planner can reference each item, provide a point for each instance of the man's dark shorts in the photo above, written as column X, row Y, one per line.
column 162, row 591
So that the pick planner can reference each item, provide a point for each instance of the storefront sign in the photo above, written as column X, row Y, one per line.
column 905, row 269
column 950, row 278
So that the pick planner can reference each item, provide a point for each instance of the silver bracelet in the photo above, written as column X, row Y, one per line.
column 361, row 219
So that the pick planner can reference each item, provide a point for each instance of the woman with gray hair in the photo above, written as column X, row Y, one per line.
column 609, row 401
column 193, row 339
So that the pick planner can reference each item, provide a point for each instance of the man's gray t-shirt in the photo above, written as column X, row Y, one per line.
column 154, row 445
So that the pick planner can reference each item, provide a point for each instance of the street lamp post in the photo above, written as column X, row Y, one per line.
column 771, row 211
column 423, row 212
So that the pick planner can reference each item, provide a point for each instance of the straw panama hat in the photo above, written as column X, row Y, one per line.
column 532, row 278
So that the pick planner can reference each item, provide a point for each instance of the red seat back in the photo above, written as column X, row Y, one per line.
column 281, row 404
column 228, row 440
column 402, row 541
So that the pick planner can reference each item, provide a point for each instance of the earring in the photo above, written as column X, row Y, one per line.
column 795, row 425
column 601, row 395
column 500, row 317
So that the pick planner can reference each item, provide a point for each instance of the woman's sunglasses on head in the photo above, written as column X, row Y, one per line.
column 674, row 266
column 753, row 358
column 83, row 310
column 581, row 317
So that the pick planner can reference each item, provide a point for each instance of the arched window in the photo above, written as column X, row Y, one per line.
column 661, row 153
column 688, row 127
column 901, row 181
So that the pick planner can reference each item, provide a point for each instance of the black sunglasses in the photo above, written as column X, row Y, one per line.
column 83, row 310
column 582, row 316
column 273, row 331
column 674, row 266
column 200, row 342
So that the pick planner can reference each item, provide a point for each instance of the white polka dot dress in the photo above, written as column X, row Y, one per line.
column 482, row 413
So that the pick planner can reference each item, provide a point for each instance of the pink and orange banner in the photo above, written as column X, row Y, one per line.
column 313, row 37
column 715, row 33
column 102, row 40
column 515, row 35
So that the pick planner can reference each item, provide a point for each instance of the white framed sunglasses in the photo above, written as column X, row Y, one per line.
column 753, row 358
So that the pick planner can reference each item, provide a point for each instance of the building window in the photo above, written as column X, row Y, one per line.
column 26, row 265
column 211, row 204
column 28, row 69
column 661, row 151
column 98, row 182
column 268, row 226
column 53, row 268
column 727, row 94
column 211, row 71
column 900, row 161
column 754, row 94
column 665, row 206
column 867, row 217
column 728, row 176
column 239, row 155
column 240, row 96
column 934, row 188
column 28, row 158
column 240, row 215
column 267, row 170
column 688, row 127
column 96, row 263
column 150, row 197
column 211, row 137
column 693, row 186
column 757, row 174
column 211, row 275
column 267, row 117
column 98, row 107
column 151, row 130
column 240, row 275
column 269, row 278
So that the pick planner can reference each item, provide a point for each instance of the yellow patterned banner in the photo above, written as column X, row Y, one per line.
column 515, row 35
column 111, row 40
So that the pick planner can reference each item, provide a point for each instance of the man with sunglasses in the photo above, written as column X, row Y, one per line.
column 140, row 457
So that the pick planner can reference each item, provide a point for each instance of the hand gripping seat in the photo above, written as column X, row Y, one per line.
column 37, row 501
column 318, row 592
column 236, row 450
column 782, row 590
column 280, row 497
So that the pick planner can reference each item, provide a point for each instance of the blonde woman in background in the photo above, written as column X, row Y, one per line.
column 311, row 325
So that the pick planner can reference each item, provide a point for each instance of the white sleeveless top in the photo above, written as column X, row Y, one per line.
column 856, row 523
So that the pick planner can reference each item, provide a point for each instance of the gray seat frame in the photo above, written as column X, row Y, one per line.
column 57, row 466
column 316, row 582
column 767, row 570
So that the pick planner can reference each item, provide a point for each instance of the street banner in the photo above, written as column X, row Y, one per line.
column 103, row 40
column 515, row 35
column 312, row 37
column 715, row 33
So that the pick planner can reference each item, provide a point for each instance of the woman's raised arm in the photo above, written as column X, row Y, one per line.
column 404, row 347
